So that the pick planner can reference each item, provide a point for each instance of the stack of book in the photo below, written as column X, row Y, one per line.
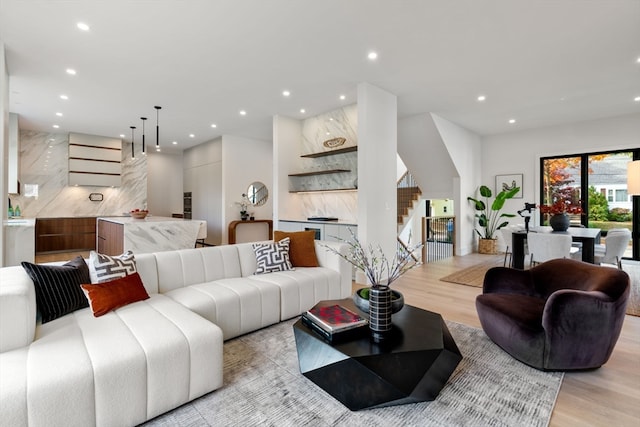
column 334, row 322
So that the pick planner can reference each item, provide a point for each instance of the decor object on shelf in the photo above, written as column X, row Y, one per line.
column 560, row 315
column 560, row 211
column 633, row 178
column 334, row 142
column 489, row 216
column 509, row 182
column 381, row 273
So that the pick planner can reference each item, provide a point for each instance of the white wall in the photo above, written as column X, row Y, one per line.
column 245, row 161
column 464, row 149
column 520, row 152
column 287, row 133
column 4, row 144
column 202, row 169
column 164, row 183
column 377, row 150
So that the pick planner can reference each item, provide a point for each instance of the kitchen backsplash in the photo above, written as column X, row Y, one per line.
column 44, row 189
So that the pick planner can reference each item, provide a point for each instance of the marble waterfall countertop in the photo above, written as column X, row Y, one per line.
column 156, row 233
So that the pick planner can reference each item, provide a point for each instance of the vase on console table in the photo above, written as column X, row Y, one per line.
column 560, row 222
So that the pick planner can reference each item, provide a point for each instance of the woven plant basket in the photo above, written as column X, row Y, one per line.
column 488, row 246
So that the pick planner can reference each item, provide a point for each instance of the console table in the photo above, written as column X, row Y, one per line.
column 413, row 365
column 233, row 226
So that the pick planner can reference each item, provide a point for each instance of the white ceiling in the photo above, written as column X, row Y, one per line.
column 541, row 62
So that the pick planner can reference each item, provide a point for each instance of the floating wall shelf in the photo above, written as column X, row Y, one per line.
column 332, row 152
column 323, row 172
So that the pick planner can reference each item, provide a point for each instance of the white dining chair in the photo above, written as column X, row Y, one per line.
column 546, row 246
column 615, row 244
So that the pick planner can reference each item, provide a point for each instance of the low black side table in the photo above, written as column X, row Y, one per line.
column 412, row 366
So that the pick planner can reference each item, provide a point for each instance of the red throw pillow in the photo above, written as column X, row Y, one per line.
column 106, row 296
column 302, row 247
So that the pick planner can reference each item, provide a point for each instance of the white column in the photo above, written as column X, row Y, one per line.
column 377, row 151
column 4, row 146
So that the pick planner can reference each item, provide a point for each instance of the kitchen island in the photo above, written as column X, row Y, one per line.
column 116, row 235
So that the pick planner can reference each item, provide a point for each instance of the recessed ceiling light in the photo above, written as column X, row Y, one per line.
column 637, row 99
column 71, row 71
column 65, row 97
column 175, row 142
column 243, row 113
column 286, row 93
column 213, row 125
column 343, row 97
column 482, row 98
column 56, row 126
column 638, row 60
column 158, row 150
column 372, row 56
column 59, row 114
column 512, row 121
column 121, row 135
column 302, row 110
column 327, row 133
column 82, row 26
column 191, row 135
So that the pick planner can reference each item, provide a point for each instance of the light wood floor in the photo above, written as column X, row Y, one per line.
column 608, row 396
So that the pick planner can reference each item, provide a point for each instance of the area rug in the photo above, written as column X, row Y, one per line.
column 633, row 270
column 264, row 387
column 474, row 275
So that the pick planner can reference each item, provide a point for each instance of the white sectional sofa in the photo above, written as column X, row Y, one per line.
column 151, row 356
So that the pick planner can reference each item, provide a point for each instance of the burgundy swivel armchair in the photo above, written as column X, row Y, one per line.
column 560, row 315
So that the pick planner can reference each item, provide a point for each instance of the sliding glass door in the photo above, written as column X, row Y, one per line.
column 597, row 183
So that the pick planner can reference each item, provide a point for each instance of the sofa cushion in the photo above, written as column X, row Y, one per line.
column 302, row 248
column 106, row 267
column 57, row 287
column 106, row 296
column 272, row 257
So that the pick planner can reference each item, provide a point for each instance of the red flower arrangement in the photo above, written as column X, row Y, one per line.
column 561, row 207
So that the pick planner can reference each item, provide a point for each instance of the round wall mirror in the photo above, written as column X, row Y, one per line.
column 257, row 193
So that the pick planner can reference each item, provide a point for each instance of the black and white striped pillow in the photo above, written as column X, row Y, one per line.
column 106, row 267
column 58, row 290
column 272, row 257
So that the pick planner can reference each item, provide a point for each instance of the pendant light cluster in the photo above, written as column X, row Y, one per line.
column 144, row 148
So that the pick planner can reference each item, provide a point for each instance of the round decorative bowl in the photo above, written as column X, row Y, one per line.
column 397, row 300
column 139, row 214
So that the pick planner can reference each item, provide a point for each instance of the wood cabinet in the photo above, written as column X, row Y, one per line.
column 110, row 238
column 65, row 234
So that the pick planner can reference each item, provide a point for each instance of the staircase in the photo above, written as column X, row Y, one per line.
column 408, row 194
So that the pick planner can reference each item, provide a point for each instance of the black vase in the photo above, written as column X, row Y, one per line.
column 380, row 311
column 560, row 222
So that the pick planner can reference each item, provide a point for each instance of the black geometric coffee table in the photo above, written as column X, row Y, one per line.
column 413, row 365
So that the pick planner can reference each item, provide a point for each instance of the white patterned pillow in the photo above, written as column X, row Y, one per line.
column 106, row 267
column 272, row 257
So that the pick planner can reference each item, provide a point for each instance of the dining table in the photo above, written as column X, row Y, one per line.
column 588, row 237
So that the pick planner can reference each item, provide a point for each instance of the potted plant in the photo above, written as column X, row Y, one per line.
column 490, row 216
column 381, row 272
column 559, row 213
